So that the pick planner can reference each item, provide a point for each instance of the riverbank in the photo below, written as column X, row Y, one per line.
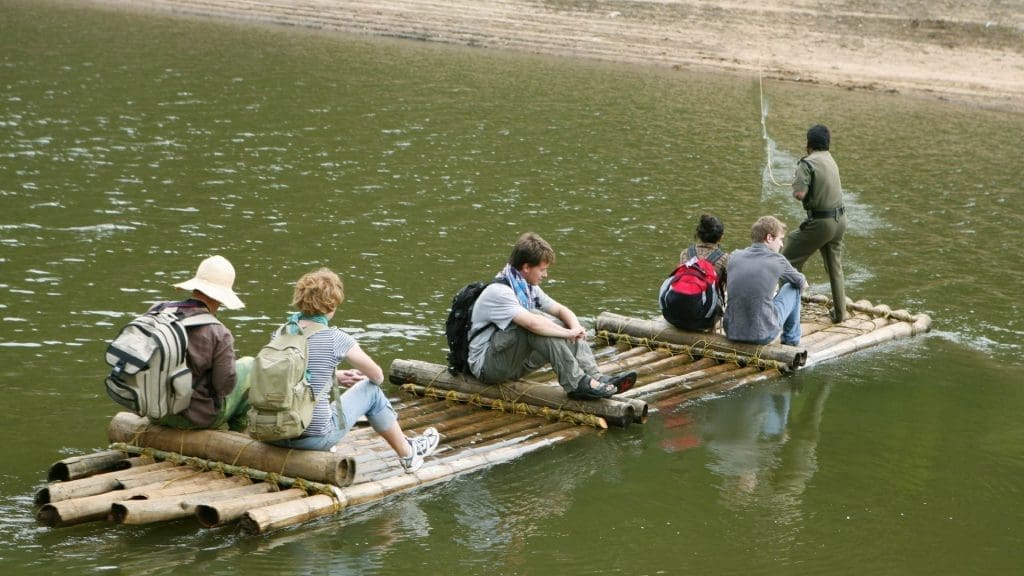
column 968, row 52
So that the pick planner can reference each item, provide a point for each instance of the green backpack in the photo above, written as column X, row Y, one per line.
column 280, row 396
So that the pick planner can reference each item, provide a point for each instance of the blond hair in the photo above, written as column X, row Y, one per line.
column 766, row 225
column 318, row 292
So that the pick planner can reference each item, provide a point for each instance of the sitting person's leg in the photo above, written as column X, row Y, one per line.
column 787, row 305
column 366, row 398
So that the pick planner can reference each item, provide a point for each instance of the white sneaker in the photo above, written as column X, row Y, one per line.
column 422, row 446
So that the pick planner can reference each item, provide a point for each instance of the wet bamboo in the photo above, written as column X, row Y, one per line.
column 422, row 420
column 704, row 384
column 660, row 330
column 92, row 485
column 225, row 512
column 742, row 354
column 157, row 476
column 720, row 383
column 436, row 376
column 167, row 506
column 87, row 509
column 231, row 447
column 890, row 332
column 190, row 502
column 269, row 518
column 836, row 332
column 188, row 484
column 506, row 406
column 231, row 469
column 685, row 381
column 86, row 465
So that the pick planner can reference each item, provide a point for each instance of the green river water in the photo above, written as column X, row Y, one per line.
column 131, row 146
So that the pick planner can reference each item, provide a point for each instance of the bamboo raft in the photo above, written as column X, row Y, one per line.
column 153, row 474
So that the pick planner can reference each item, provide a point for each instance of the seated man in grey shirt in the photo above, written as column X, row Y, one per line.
column 755, row 313
column 517, row 328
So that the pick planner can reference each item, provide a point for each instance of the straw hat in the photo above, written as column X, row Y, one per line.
column 215, row 277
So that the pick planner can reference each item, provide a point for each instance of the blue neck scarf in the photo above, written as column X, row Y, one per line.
column 526, row 293
column 318, row 318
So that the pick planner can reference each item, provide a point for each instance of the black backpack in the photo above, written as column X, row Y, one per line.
column 457, row 327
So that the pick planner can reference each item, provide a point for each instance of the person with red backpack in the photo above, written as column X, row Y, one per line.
column 693, row 296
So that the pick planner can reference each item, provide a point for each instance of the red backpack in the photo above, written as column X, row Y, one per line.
column 689, row 297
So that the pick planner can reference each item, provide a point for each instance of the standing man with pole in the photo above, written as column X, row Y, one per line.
column 816, row 184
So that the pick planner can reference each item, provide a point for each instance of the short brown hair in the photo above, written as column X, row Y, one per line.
column 531, row 249
column 766, row 225
column 318, row 292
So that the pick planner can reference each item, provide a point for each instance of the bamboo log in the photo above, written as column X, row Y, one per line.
column 87, row 509
column 231, row 469
column 514, row 407
column 269, row 518
column 686, row 381
column 660, row 330
column 232, row 447
column 715, row 385
column 92, row 485
column 155, row 477
column 890, row 332
column 620, row 413
column 163, row 505
column 706, row 350
column 86, row 465
column 190, row 502
column 225, row 512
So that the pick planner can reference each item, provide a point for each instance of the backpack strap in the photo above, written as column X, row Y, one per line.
column 691, row 252
column 200, row 319
column 715, row 255
column 472, row 334
column 307, row 332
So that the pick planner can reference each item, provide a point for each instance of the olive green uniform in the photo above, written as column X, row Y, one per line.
column 825, row 225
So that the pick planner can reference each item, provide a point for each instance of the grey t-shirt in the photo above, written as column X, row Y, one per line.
column 494, row 310
column 754, row 273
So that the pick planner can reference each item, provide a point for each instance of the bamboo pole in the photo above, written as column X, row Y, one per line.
column 155, row 477
column 165, row 504
column 620, row 413
column 890, row 332
column 707, row 350
column 662, row 331
column 714, row 385
column 687, row 381
column 191, row 501
column 215, row 514
column 269, row 518
column 506, row 406
column 86, row 465
column 231, row 469
column 231, row 447
column 92, row 485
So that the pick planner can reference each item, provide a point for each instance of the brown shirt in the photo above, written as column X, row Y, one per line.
column 211, row 357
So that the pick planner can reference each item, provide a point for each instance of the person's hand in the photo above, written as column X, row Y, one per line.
column 577, row 333
column 346, row 378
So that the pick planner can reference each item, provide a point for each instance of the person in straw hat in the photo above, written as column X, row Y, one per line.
column 220, row 396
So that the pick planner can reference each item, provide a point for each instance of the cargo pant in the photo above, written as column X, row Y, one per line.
column 824, row 235
column 514, row 352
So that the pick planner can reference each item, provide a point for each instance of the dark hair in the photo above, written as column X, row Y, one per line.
column 710, row 229
column 531, row 249
column 818, row 137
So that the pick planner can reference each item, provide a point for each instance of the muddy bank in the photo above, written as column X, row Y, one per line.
column 970, row 52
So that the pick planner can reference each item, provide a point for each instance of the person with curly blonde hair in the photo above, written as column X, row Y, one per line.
column 317, row 296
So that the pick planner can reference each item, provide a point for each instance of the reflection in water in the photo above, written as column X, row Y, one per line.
column 762, row 449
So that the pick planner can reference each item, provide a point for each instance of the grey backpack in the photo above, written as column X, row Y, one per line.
column 150, row 375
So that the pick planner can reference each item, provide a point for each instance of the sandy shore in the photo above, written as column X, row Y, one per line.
column 969, row 52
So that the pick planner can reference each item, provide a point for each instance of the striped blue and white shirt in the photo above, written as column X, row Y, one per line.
column 327, row 348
